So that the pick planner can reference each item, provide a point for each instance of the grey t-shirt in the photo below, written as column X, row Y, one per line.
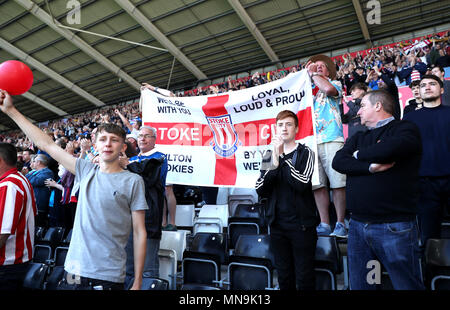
column 103, row 221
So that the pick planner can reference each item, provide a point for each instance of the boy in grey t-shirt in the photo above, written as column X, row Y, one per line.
column 103, row 211
column 111, row 201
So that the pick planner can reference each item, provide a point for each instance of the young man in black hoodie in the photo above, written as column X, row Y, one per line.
column 291, row 210
column 382, row 168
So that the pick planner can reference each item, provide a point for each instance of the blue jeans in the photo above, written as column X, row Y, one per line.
column 394, row 245
column 151, row 264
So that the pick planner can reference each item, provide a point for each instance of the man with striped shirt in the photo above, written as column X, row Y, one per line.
column 17, row 212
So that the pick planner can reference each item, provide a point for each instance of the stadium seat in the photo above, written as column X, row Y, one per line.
column 53, row 236
column 437, row 264
column 42, row 254
column 235, row 200
column 174, row 240
column 185, row 216
column 35, row 276
column 328, row 263
column 67, row 239
column 238, row 226
column 249, row 210
column 215, row 211
column 210, row 243
column 251, row 267
column 207, row 224
column 56, row 275
column 202, row 262
column 151, row 284
column 168, row 267
column 200, row 269
column 39, row 234
column 60, row 256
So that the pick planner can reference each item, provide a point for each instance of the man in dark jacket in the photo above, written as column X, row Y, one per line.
column 351, row 118
column 382, row 167
column 291, row 211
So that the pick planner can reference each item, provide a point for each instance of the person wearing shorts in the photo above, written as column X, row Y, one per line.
column 330, row 139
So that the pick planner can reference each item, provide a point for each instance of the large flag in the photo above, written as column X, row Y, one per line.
column 219, row 140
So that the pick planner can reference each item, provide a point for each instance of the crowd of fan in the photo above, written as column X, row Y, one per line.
column 365, row 67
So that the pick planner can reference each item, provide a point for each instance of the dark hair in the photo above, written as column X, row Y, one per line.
column 414, row 83
column 384, row 97
column 111, row 128
column 285, row 114
column 440, row 68
column 359, row 85
column 432, row 77
column 8, row 153
column 29, row 151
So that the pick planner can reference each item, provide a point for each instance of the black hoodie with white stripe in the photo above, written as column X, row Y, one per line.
column 288, row 188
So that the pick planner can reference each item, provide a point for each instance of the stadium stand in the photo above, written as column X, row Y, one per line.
column 225, row 246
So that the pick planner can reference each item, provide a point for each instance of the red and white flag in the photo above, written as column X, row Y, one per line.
column 407, row 49
column 219, row 140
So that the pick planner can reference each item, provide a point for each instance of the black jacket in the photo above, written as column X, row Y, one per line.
column 352, row 119
column 391, row 195
column 150, row 170
column 296, row 186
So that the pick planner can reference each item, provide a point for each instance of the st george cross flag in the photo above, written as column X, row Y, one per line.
column 220, row 140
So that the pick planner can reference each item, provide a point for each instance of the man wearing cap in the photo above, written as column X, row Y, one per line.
column 330, row 139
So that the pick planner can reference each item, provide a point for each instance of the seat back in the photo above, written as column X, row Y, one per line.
column 67, row 239
column 39, row 234
column 168, row 267
column 437, row 264
column 242, row 226
column 60, row 255
column 174, row 240
column 54, row 236
column 255, row 245
column 327, row 263
column 235, row 200
column 210, row 243
column 249, row 210
column 215, row 211
column 249, row 273
column 200, row 268
column 157, row 284
column 54, row 277
column 207, row 224
column 35, row 276
column 328, row 254
column 185, row 215
column 42, row 253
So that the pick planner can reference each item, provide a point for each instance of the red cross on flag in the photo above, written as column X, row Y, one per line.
column 219, row 140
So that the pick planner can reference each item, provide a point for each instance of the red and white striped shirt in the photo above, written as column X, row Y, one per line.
column 17, row 212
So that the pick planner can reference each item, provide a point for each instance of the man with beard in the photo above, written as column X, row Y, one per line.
column 433, row 121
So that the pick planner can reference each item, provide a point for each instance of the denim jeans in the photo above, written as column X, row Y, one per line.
column 151, row 264
column 394, row 245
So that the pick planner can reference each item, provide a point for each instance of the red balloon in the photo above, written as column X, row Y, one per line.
column 15, row 77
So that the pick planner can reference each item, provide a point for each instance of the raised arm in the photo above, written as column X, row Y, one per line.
column 37, row 136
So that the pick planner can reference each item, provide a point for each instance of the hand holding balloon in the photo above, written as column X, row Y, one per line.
column 15, row 77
